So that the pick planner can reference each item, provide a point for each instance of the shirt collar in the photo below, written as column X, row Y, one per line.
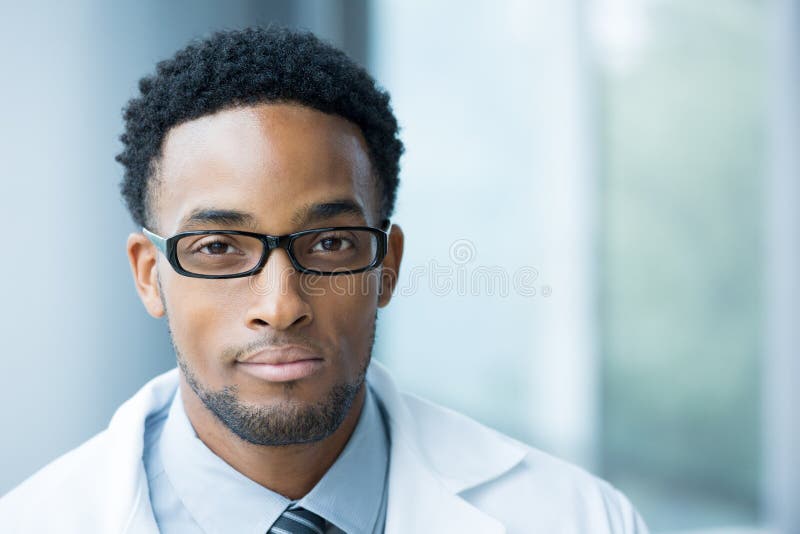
column 221, row 499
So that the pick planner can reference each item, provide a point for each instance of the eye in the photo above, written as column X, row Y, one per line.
column 332, row 244
column 216, row 248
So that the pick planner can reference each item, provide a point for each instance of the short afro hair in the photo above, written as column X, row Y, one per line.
column 247, row 67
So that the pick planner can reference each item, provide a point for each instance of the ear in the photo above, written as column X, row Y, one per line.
column 391, row 265
column 142, row 255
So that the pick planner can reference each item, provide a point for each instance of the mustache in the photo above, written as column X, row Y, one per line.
column 236, row 353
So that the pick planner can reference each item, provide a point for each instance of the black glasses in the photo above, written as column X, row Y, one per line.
column 232, row 254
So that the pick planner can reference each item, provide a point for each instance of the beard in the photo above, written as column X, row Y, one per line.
column 284, row 423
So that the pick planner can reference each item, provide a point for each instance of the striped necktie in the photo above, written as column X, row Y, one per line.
column 298, row 521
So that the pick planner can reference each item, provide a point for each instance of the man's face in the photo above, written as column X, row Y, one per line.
column 274, row 169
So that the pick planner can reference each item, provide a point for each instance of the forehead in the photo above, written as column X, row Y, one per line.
column 272, row 161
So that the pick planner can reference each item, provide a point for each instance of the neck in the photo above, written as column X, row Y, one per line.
column 291, row 470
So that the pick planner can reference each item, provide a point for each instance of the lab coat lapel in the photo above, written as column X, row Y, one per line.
column 419, row 502
column 129, row 509
column 429, row 465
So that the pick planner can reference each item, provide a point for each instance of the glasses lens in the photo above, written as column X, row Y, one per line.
column 218, row 254
column 336, row 250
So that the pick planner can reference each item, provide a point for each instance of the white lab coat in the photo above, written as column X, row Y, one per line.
column 447, row 473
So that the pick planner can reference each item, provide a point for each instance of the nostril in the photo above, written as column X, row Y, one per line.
column 301, row 320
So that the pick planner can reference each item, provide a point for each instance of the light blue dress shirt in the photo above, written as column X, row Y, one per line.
column 192, row 490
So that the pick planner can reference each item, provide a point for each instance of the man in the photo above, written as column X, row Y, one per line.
column 262, row 168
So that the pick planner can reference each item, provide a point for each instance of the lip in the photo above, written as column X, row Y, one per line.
column 281, row 364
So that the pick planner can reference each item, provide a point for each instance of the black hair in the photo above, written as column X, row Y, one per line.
column 247, row 67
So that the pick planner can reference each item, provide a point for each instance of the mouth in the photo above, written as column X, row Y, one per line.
column 281, row 364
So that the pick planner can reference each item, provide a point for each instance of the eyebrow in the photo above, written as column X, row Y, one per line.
column 204, row 216
column 327, row 210
column 306, row 215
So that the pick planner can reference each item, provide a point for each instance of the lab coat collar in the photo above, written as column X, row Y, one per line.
column 435, row 454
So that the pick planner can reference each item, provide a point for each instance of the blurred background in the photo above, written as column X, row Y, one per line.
column 601, row 200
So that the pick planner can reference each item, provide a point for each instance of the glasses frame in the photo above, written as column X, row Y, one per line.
column 167, row 245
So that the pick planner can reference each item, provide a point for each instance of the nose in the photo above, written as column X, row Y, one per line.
column 277, row 300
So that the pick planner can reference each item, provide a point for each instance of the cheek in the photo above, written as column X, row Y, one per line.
column 197, row 313
column 347, row 311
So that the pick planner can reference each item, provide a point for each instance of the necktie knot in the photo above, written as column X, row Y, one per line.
column 298, row 521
